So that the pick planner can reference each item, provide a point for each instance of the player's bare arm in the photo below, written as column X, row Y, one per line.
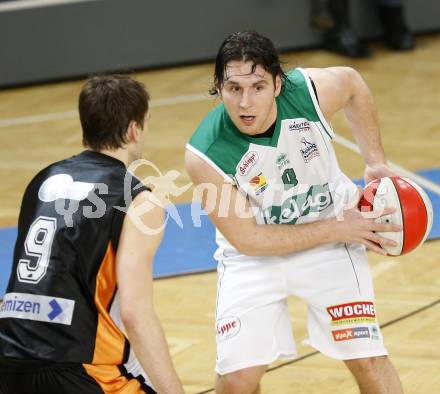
column 249, row 238
column 134, row 275
column 343, row 88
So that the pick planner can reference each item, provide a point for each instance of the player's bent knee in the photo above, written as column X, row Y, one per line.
column 234, row 385
column 245, row 381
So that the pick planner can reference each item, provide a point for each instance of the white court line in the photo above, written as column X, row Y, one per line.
column 190, row 98
column 167, row 101
column 422, row 181
column 24, row 4
column 51, row 116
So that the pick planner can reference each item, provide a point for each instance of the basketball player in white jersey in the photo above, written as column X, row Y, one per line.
column 267, row 147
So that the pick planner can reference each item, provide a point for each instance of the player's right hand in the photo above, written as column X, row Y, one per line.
column 355, row 226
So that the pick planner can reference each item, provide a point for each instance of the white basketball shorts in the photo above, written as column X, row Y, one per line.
column 252, row 320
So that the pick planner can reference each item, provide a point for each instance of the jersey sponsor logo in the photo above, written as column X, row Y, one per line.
column 315, row 200
column 282, row 161
column 247, row 162
column 227, row 328
column 259, row 183
column 354, row 312
column 348, row 334
column 37, row 307
column 309, row 150
column 299, row 125
column 62, row 186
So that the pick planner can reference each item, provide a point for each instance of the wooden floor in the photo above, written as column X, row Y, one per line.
column 39, row 125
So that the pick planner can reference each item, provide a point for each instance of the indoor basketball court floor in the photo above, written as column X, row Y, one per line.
column 39, row 125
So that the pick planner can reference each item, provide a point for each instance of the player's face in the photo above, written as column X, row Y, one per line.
column 249, row 97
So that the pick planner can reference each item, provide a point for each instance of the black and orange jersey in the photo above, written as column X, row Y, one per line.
column 61, row 304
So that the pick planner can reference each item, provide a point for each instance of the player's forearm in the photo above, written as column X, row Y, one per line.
column 282, row 239
column 362, row 116
column 148, row 340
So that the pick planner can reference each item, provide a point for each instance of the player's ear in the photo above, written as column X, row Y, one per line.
column 134, row 131
column 278, row 85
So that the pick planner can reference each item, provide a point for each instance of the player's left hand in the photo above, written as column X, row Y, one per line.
column 377, row 171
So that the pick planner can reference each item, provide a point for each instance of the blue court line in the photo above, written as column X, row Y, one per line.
column 189, row 249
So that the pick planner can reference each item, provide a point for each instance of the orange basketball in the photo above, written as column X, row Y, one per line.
column 413, row 211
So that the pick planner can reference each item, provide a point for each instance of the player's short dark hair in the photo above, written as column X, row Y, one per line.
column 247, row 46
column 107, row 105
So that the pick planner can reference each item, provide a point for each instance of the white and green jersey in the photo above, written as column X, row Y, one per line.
column 291, row 177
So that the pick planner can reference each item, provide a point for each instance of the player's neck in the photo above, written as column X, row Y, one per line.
column 119, row 154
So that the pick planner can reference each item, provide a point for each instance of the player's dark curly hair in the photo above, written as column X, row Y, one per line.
column 107, row 105
column 247, row 46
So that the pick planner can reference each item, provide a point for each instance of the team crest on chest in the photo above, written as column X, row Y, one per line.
column 309, row 150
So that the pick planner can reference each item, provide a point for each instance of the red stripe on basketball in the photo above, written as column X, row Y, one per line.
column 414, row 215
column 366, row 201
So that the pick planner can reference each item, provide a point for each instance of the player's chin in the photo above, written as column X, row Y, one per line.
column 249, row 129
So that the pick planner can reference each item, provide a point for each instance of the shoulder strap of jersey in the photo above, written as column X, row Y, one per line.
column 314, row 101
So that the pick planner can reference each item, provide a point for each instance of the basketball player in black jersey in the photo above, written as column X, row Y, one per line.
column 78, row 315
